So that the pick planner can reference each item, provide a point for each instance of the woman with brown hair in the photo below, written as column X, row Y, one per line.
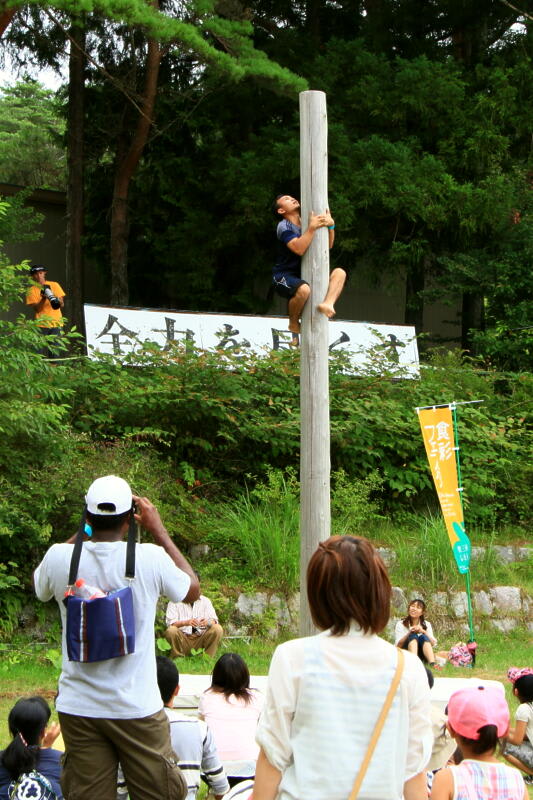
column 414, row 633
column 325, row 692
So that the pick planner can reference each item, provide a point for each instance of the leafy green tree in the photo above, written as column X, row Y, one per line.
column 221, row 40
column 21, row 222
column 425, row 162
column 33, row 438
column 31, row 130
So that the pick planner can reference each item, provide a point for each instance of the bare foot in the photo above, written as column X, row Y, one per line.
column 326, row 309
column 294, row 326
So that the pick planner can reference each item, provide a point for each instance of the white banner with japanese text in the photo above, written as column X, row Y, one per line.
column 121, row 331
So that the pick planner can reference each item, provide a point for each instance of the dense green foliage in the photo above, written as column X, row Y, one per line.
column 31, row 131
column 221, row 424
column 421, row 179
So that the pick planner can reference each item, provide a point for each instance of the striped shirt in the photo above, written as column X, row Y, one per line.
column 193, row 743
column 486, row 780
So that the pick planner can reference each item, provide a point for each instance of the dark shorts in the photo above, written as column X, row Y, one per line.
column 420, row 638
column 51, row 349
column 286, row 284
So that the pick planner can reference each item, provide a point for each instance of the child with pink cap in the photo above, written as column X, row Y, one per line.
column 477, row 719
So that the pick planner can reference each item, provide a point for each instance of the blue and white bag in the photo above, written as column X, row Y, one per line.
column 100, row 628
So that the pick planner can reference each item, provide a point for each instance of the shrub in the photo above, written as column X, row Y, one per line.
column 33, row 439
column 219, row 424
column 260, row 532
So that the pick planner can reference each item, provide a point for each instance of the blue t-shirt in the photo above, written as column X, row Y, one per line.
column 48, row 764
column 286, row 260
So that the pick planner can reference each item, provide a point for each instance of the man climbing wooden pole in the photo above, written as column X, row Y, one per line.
column 315, row 517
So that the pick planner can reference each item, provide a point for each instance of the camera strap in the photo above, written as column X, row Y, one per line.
column 78, row 543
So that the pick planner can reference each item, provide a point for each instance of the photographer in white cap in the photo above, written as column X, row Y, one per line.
column 111, row 710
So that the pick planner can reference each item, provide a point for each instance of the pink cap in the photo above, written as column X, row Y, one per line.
column 513, row 673
column 472, row 709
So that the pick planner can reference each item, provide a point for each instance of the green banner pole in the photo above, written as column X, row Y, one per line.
column 453, row 407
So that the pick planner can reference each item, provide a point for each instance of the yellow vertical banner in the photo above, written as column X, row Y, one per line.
column 438, row 433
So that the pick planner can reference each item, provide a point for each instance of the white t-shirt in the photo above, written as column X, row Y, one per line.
column 125, row 687
column 324, row 696
column 524, row 713
column 400, row 631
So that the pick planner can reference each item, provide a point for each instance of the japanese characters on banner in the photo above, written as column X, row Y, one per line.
column 121, row 331
column 437, row 430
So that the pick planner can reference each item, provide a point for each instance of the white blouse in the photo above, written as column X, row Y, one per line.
column 400, row 631
column 324, row 696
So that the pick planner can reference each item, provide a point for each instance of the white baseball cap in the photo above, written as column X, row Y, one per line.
column 112, row 492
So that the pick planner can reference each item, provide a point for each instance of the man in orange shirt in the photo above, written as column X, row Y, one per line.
column 46, row 298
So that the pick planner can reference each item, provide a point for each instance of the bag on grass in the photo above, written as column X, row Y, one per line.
column 460, row 655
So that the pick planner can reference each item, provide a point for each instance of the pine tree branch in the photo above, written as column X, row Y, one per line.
column 518, row 10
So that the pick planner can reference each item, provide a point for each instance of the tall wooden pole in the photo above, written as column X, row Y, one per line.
column 315, row 522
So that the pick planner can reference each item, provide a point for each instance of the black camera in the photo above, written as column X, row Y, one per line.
column 50, row 296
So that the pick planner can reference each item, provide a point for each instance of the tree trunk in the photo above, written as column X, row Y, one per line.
column 75, row 182
column 125, row 170
column 414, row 299
column 472, row 319
column 312, row 22
column 378, row 25
column 5, row 19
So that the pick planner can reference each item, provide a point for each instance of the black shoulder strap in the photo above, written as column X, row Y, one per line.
column 130, row 550
column 76, row 553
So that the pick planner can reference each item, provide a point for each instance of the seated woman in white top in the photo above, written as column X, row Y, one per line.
column 231, row 710
column 326, row 692
column 414, row 633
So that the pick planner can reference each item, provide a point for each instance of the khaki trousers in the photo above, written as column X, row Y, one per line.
column 183, row 643
column 94, row 747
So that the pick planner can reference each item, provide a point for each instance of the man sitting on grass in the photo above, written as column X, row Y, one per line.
column 191, row 739
column 192, row 626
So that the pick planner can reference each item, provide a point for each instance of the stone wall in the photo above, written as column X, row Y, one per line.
column 501, row 608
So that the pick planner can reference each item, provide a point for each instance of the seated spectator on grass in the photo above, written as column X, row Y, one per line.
column 192, row 626
column 191, row 739
column 231, row 709
column 519, row 741
column 478, row 718
column 414, row 633
column 443, row 743
column 31, row 751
